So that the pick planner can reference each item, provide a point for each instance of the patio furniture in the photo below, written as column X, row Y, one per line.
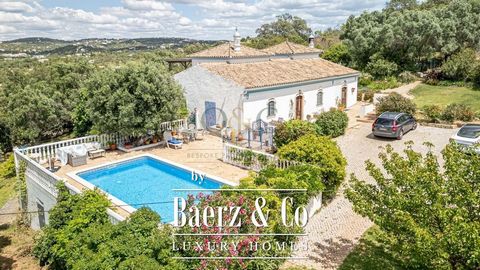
column 75, row 161
column 170, row 141
column 94, row 150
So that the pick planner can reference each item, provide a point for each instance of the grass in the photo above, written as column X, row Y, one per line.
column 371, row 254
column 7, row 180
column 7, row 189
column 443, row 95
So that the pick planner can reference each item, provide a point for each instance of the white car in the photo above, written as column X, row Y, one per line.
column 468, row 136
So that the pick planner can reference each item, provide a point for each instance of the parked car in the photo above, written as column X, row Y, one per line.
column 393, row 125
column 467, row 136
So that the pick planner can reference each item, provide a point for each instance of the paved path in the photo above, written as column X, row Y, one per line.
column 404, row 89
column 333, row 233
column 11, row 206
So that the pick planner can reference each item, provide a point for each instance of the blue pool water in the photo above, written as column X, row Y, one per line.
column 147, row 180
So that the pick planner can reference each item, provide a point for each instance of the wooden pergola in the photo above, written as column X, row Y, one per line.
column 185, row 62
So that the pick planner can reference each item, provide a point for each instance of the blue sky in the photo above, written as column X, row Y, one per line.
column 198, row 19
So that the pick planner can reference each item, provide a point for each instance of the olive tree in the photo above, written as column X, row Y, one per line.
column 133, row 99
column 431, row 212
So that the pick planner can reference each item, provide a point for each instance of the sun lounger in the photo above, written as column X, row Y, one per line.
column 170, row 141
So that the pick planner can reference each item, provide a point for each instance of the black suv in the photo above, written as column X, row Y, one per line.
column 393, row 125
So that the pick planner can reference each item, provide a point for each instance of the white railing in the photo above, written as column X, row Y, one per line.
column 48, row 181
column 34, row 171
column 251, row 159
column 42, row 153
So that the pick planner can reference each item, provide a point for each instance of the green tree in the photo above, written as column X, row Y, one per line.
column 381, row 68
column 411, row 38
column 81, row 236
column 430, row 212
column 460, row 65
column 320, row 151
column 402, row 4
column 338, row 53
column 36, row 101
column 133, row 99
column 292, row 27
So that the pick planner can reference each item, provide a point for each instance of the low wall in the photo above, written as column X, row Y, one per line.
column 41, row 183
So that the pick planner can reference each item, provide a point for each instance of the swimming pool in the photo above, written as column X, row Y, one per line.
column 147, row 179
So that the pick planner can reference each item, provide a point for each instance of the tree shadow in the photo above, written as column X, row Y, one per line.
column 332, row 252
column 372, row 253
column 5, row 262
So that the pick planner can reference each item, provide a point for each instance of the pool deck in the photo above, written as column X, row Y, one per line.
column 203, row 155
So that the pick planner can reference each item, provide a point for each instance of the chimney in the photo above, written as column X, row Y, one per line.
column 236, row 40
column 310, row 41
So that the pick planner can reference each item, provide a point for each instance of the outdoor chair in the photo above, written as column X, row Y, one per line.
column 170, row 141
column 94, row 150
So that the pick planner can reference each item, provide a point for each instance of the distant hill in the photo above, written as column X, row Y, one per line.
column 33, row 46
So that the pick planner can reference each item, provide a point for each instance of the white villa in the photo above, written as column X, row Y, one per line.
column 234, row 85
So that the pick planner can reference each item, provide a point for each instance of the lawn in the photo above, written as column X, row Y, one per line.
column 371, row 254
column 444, row 95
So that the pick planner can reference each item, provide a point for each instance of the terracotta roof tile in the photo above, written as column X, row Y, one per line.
column 226, row 50
column 290, row 48
column 277, row 72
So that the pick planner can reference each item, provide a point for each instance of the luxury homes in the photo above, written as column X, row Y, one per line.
column 231, row 85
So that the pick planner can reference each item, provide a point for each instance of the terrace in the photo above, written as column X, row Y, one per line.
column 204, row 155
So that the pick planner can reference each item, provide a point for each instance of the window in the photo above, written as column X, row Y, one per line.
column 271, row 108
column 320, row 98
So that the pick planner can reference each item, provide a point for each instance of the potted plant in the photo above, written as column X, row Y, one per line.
column 112, row 145
column 155, row 139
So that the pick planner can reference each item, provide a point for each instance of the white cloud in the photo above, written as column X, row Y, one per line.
column 203, row 19
column 7, row 29
column 11, row 6
column 146, row 5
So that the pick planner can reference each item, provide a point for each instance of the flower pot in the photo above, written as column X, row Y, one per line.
column 113, row 146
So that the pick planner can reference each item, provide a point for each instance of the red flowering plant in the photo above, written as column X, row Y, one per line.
column 232, row 242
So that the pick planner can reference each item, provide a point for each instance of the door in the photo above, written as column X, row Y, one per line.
column 210, row 114
column 344, row 96
column 41, row 215
column 299, row 107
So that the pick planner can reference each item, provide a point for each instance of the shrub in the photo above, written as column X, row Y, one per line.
column 332, row 123
column 365, row 79
column 432, row 76
column 476, row 75
column 81, row 236
column 432, row 112
column 407, row 77
column 367, row 95
column 292, row 130
column 7, row 168
column 387, row 83
column 381, row 68
column 456, row 111
column 395, row 102
column 321, row 151
column 460, row 65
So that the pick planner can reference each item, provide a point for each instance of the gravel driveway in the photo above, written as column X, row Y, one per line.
column 334, row 232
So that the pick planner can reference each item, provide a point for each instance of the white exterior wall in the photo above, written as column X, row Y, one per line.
column 200, row 85
column 256, row 103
